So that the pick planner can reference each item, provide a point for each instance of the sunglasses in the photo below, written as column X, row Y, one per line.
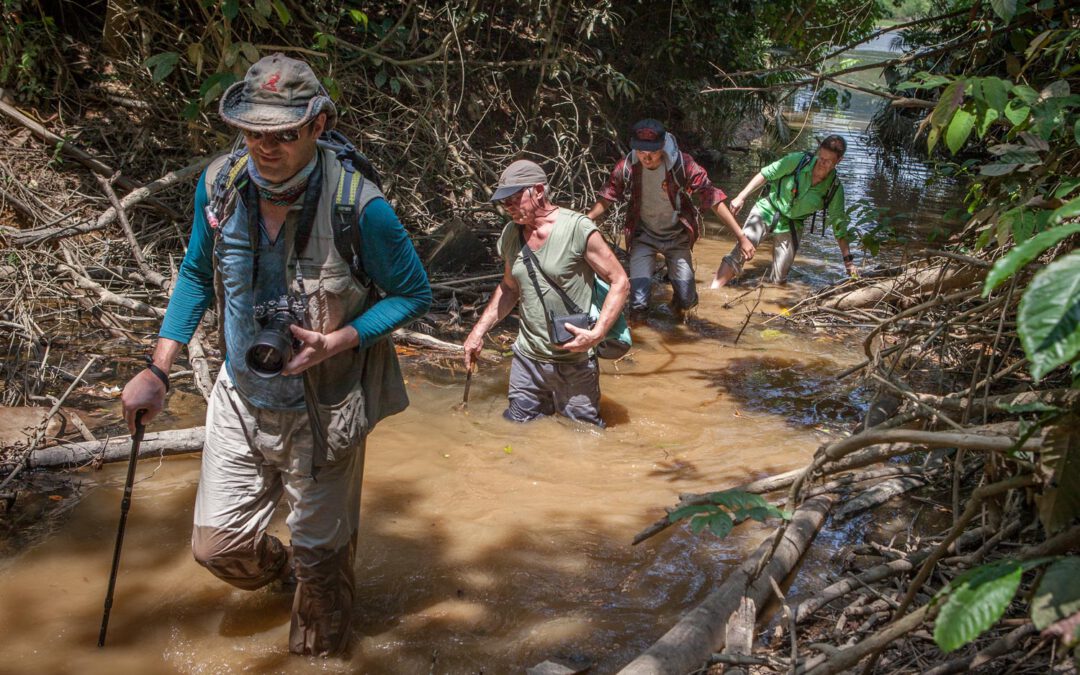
column 283, row 137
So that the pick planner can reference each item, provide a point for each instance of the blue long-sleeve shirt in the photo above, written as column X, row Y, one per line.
column 388, row 257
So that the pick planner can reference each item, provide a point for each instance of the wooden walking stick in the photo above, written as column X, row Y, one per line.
column 125, row 504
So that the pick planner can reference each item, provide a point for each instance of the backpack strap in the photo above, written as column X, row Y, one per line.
column 351, row 197
column 224, row 191
column 829, row 194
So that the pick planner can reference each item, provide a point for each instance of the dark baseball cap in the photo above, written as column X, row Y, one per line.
column 647, row 134
column 518, row 176
column 276, row 94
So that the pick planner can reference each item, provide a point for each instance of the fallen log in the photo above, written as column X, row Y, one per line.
column 879, row 494
column 118, row 449
column 911, row 285
column 701, row 632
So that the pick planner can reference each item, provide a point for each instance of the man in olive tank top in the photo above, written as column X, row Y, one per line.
column 565, row 252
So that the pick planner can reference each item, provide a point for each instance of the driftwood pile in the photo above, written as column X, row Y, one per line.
column 952, row 430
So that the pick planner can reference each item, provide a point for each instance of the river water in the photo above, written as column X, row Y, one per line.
column 488, row 547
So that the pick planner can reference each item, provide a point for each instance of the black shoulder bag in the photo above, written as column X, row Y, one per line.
column 556, row 323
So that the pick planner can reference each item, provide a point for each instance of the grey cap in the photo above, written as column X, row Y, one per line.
column 518, row 176
column 276, row 94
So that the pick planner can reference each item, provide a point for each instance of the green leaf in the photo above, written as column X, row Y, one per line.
column 214, row 85
column 1006, row 9
column 1049, row 316
column 1070, row 209
column 282, row 12
column 720, row 524
column 1014, row 153
column 1025, row 93
column 230, row 8
column 395, row 85
column 250, row 52
column 932, row 138
column 687, row 511
column 358, row 17
column 1021, row 255
column 1076, row 131
column 264, row 8
column 987, row 117
column 975, row 602
column 1016, row 112
column 1058, row 595
column 997, row 169
column 950, row 100
column 1059, row 504
column 1068, row 184
column 995, row 92
column 161, row 65
column 332, row 88
column 380, row 78
column 737, row 499
column 959, row 129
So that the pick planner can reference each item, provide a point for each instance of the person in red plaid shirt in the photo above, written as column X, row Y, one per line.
column 666, row 190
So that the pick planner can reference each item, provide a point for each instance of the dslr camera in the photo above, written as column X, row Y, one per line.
column 274, row 344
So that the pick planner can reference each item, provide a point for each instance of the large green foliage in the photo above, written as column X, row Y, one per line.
column 975, row 600
column 1008, row 118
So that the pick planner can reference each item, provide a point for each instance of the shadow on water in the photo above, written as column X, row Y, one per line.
column 569, row 589
column 803, row 392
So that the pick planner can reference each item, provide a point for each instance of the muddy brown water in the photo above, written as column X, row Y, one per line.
column 488, row 547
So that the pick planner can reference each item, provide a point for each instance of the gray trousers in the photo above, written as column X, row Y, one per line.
column 784, row 248
column 540, row 388
column 251, row 459
column 676, row 252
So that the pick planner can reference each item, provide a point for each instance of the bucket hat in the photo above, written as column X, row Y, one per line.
column 276, row 94
column 518, row 176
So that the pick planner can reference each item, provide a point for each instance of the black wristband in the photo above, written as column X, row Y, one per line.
column 849, row 258
column 158, row 372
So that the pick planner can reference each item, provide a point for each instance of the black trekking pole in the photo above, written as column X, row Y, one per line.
column 125, row 504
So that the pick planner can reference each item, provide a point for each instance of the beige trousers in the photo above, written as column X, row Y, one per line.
column 251, row 459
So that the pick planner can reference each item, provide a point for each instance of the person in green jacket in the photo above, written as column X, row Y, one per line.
column 799, row 185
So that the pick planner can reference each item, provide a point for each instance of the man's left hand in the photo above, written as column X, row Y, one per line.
column 583, row 339
column 316, row 348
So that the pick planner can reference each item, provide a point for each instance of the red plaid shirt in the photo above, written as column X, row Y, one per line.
column 688, row 187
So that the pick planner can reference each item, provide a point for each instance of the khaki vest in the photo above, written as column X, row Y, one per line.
column 350, row 392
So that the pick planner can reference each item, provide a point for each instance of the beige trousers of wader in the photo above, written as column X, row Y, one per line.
column 251, row 458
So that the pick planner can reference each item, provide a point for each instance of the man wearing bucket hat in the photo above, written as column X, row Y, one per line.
column 263, row 240
column 666, row 191
column 549, row 253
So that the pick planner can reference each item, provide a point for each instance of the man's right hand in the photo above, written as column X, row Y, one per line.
column 736, row 205
column 142, row 392
column 473, row 345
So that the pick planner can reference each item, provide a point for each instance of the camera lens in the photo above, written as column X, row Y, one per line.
column 265, row 360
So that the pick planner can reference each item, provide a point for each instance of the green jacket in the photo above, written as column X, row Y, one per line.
column 780, row 199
